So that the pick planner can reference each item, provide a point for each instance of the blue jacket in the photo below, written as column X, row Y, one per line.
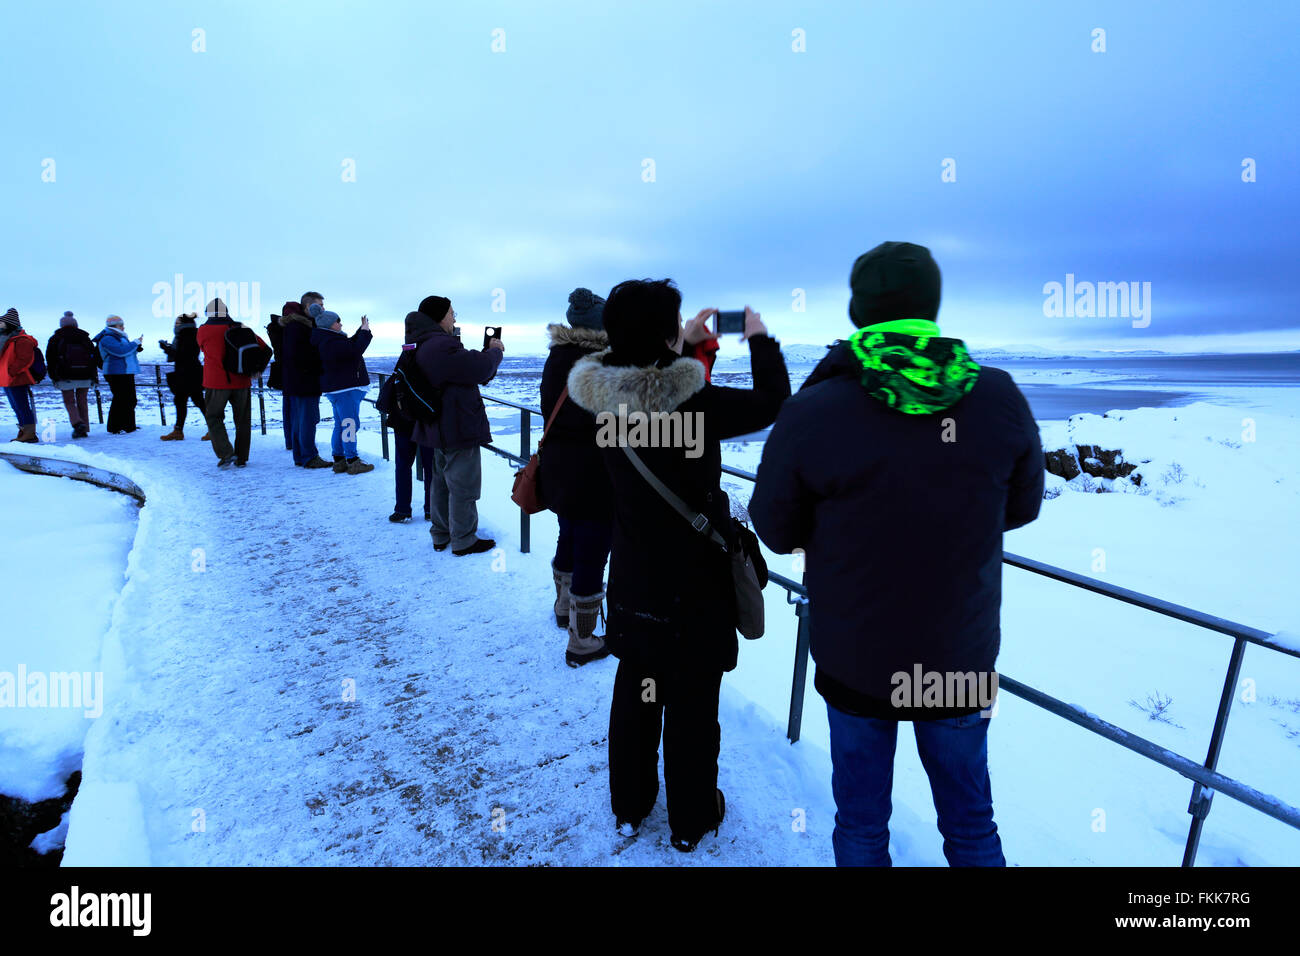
column 342, row 364
column 118, row 351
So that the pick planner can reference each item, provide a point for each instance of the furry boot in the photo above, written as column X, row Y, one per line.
column 562, row 581
column 584, row 645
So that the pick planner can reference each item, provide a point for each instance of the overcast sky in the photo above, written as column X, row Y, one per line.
column 525, row 170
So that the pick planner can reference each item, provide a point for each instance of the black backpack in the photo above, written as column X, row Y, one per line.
column 244, row 354
column 37, row 368
column 76, row 361
column 411, row 397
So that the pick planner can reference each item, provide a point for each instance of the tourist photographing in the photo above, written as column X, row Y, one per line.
column 186, row 377
column 344, row 381
column 120, row 368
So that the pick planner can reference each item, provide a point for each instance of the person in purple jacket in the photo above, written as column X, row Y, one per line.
column 344, row 381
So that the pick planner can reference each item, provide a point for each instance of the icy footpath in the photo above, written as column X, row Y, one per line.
column 291, row 679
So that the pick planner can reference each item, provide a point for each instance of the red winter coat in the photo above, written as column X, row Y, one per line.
column 212, row 340
column 16, row 360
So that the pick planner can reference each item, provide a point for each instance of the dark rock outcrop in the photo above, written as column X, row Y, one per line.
column 1073, row 460
column 21, row 822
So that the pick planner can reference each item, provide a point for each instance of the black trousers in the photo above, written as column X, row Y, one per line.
column 121, row 413
column 182, row 396
column 683, row 705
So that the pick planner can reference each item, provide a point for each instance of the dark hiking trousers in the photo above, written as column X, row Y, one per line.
column 242, row 409
column 684, row 705
column 182, row 401
column 121, row 413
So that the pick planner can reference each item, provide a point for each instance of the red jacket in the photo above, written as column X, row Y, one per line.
column 16, row 360
column 212, row 340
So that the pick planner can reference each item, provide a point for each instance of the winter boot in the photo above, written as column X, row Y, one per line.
column 340, row 465
column 27, row 434
column 562, row 581
column 687, row 846
column 584, row 645
column 478, row 547
column 358, row 467
column 174, row 435
column 207, row 436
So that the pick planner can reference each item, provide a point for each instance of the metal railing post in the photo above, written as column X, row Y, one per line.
column 525, row 444
column 157, row 381
column 800, row 681
column 261, row 404
column 99, row 404
column 1202, row 797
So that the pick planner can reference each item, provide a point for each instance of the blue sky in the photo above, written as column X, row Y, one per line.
column 522, row 170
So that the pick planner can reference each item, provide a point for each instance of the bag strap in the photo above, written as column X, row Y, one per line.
column 697, row 519
column 554, row 411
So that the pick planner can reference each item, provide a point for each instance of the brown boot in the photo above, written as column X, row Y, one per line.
column 562, row 581
column 174, row 435
column 584, row 646
column 207, row 436
column 27, row 433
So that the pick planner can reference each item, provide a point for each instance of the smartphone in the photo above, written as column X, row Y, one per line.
column 489, row 333
column 455, row 330
column 731, row 323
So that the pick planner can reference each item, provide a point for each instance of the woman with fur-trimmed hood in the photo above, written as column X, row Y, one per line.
column 672, row 612
column 574, row 484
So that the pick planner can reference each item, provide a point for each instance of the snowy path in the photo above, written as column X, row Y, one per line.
column 228, row 741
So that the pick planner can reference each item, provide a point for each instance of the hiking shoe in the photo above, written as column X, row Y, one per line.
column 478, row 547
column 397, row 517
column 340, row 466
column 317, row 462
column 358, row 467
column 226, row 462
column 174, row 435
column 207, row 436
column 686, row 846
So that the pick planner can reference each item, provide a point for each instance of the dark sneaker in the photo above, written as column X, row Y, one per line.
column 226, row 462
column 478, row 547
column 439, row 546
column 340, row 466
column 358, row 467
column 317, row 462
column 241, row 462
column 397, row 517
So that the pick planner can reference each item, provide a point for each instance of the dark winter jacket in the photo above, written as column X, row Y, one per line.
column 300, row 361
column 900, row 517
column 670, row 596
column 16, row 357
column 184, row 354
column 342, row 363
column 574, row 482
column 211, row 337
column 70, row 356
column 275, row 334
column 456, row 372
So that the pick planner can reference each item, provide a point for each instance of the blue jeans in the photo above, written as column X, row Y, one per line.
column 304, row 415
column 583, row 548
column 347, row 421
column 955, row 756
column 407, row 450
column 20, row 399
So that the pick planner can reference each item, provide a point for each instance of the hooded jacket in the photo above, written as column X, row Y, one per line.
column 17, row 352
column 574, row 483
column 670, row 594
column 77, row 340
column 300, row 375
column 896, row 468
column 456, row 372
column 211, row 336
column 342, row 363
column 118, row 351
column 183, row 352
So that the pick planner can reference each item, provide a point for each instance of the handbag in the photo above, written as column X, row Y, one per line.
column 748, row 569
column 526, row 492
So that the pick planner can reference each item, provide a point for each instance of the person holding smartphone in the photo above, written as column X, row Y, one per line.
column 120, row 369
column 344, row 381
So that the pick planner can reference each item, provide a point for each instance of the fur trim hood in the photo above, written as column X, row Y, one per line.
column 300, row 319
column 602, row 388
column 592, row 340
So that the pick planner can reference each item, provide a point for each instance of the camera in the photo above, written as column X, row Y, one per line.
column 731, row 323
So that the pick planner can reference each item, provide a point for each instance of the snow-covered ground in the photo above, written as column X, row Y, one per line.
column 253, row 596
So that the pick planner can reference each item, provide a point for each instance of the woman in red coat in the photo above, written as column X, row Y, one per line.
column 17, row 352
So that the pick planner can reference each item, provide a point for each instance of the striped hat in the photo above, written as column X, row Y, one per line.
column 10, row 318
column 114, row 320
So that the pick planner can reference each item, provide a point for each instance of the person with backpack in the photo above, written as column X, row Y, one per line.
column 344, row 381
column 120, row 366
column 396, row 417
column 300, row 380
column 232, row 355
column 673, row 611
column 897, row 468
column 186, row 379
column 19, row 364
column 460, row 429
column 574, row 483
column 71, row 357
column 275, row 376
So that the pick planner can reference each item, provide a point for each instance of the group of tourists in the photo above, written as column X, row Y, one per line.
column 894, row 470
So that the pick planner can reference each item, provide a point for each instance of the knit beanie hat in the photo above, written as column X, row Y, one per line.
column 895, row 280
column 68, row 320
column 216, row 310
column 10, row 319
column 292, row 308
column 586, row 310
column 435, row 307
column 114, row 321
column 323, row 318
